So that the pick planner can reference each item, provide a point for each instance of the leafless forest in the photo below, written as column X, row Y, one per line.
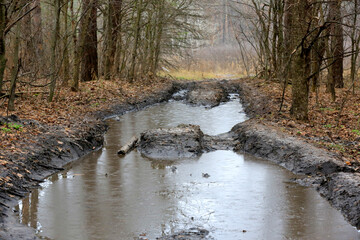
column 53, row 44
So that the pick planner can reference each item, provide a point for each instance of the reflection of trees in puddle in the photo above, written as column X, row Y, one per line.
column 27, row 210
column 189, row 211
column 162, row 164
column 187, row 216
column 170, row 164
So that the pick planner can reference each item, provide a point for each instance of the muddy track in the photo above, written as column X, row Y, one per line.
column 52, row 150
column 319, row 168
column 56, row 147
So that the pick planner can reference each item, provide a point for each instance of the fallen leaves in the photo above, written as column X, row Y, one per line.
column 325, row 127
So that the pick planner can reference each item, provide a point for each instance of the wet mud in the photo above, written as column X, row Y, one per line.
column 337, row 182
column 183, row 141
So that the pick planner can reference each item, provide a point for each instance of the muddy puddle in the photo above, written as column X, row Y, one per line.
column 233, row 196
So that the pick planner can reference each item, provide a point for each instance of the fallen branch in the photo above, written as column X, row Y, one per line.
column 129, row 146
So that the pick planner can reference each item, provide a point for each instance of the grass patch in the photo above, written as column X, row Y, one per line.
column 9, row 127
column 5, row 130
column 356, row 131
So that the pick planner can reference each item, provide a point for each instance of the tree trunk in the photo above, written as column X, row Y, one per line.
column 77, row 51
column 54, row 41
column 337, row 43
column 280, row 43
column 317, row 57
column 117, row 37
column 300, row 11
column 300, row 86
column 109, row 41
column 37, row 30
column 288, row 37
column 66, row 66
column 224, row 23
column 275, row 36
column 2, row 43
column 15, row 69
column 318, row 52
column 27, row 49
column 159, row 33
column 89, row 63
column 137, row 27
column 355, row 39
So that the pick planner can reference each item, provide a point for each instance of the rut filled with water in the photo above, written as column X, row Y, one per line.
column 231, row 195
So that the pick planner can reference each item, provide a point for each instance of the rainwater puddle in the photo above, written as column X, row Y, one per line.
column 233, row 196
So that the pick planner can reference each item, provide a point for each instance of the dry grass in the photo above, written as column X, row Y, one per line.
column 184, row 74
column 211, row 62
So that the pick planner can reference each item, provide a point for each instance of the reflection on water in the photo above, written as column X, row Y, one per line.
column 107, row 197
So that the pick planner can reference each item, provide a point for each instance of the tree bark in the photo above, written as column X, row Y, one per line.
column 300, row 11
column 137, row 27
column 289, row 44
column 54, row 44
column 66, row 66
column 159, row 33
column 31, row 38
column 37, row 30
column 336, row 44
column 117, row 37
column 15, row 69
column 109, row 41
column 77, row 51
column 2, row 43
column 89, row 63
column 355, row 40
column 27, row 48
column 318, row 52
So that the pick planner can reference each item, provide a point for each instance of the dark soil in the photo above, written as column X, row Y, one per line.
column 191, row 234
column 183, row 141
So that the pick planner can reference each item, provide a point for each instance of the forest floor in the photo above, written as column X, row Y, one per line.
column 332, row 125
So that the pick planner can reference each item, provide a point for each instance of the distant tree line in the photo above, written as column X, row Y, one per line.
column 294, row 41
column 66, row 42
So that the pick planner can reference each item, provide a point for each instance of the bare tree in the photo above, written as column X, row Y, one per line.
column 2, row 42
column 15, row 68
column 336, row 78
column 54, row 45
column 88, row 39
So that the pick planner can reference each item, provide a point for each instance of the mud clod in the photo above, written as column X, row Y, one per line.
column 183, row 141
column 191, row 234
